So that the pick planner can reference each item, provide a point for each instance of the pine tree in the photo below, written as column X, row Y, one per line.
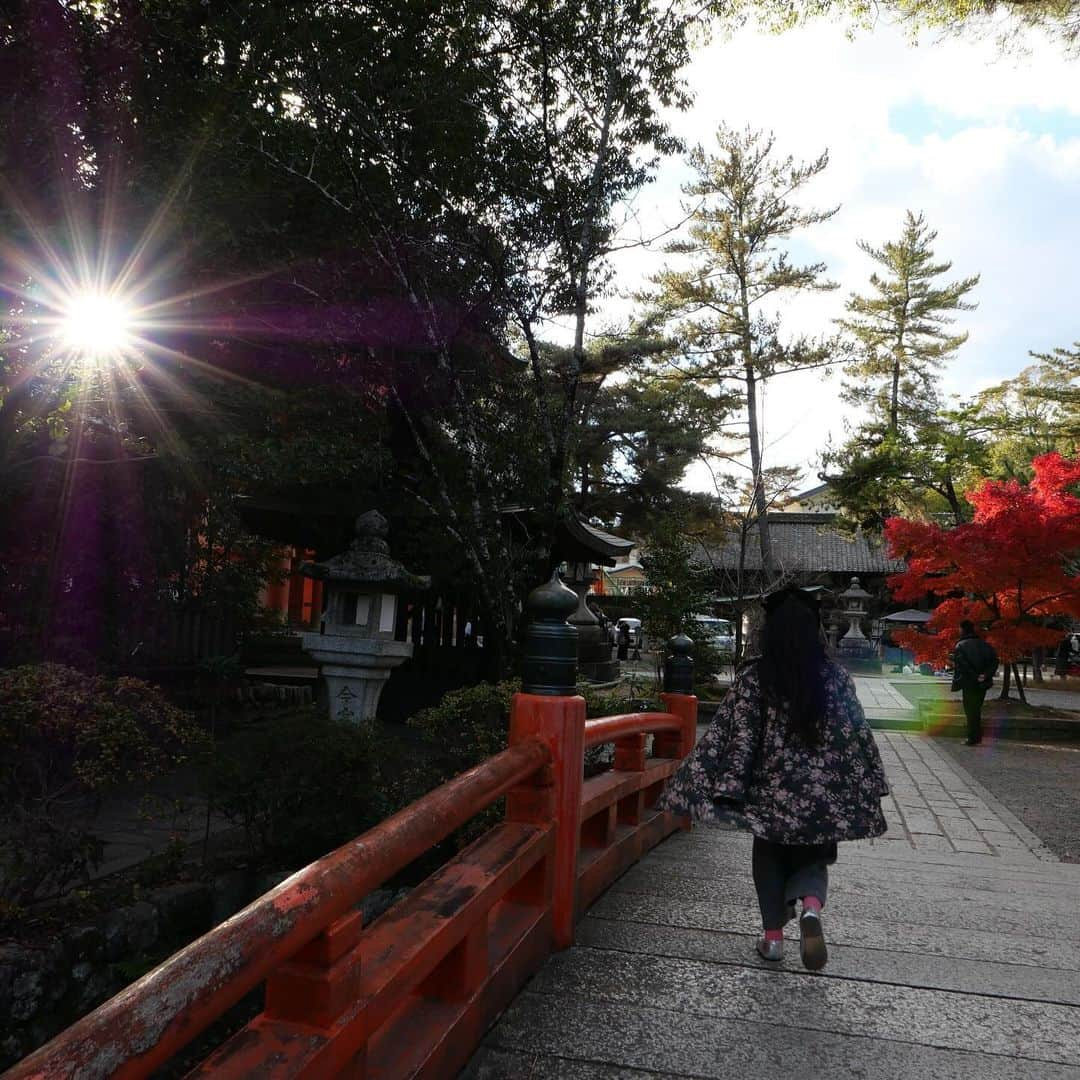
column 722, row 307
column 1059, row 388
column 901, row 328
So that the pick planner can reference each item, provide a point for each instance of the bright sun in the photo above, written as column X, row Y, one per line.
column 97, row 325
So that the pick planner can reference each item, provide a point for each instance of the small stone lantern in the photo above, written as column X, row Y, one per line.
column 855, row 606
column 355, row 646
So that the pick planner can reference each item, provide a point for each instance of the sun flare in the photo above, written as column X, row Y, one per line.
column 97, row 325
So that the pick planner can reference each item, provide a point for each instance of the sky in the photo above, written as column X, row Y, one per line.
column 986, row 146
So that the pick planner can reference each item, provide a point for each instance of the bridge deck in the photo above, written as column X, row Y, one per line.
column 954, row 952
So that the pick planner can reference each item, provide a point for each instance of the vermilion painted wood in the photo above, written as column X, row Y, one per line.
column 684, row 706
column 395, row 1050
column 630, row 752
column 413, row 994
column 601, row 791
column 559, row 723
column 597, row 869
column 434, row 944
column 609, row 728
column 150, row 1020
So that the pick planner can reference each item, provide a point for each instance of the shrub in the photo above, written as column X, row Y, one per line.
column 471, row 724
column 299, row 785
column 66, row 740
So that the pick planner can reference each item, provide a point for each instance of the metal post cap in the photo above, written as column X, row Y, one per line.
column 679, row 666
column 549, row 665
column 552, row 601
column 680, row 645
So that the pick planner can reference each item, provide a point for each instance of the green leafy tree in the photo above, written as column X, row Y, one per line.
column 721, row 308
column 437, row 182
column 1033, row 413
column 678, row 585
column 1006, row 20
column 1057, row 385
column 638, row 440
column 922, row 471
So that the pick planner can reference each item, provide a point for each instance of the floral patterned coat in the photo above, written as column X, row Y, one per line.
column 787, row 792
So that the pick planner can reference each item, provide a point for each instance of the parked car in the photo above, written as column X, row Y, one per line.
column 719, row 633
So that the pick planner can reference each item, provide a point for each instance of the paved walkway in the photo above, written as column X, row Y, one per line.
column 882, row 701
column 954, row 952
column 1056, row 699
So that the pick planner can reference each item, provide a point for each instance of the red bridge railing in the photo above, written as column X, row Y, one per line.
column 413, row 993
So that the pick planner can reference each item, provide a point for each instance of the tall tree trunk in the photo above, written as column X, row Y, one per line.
column 1005, row 679
column 768, row 563
column 1037, row 658
column 954, row 502
column 894, row 399
column 1019, row 684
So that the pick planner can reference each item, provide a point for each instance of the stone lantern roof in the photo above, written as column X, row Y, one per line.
column 855, row 591
column 368, row 561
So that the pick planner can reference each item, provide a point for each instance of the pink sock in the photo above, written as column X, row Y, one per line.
column 774, row 935
column 811, row 903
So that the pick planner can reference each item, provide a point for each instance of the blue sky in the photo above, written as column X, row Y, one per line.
column 988, row 147
column 917, row 120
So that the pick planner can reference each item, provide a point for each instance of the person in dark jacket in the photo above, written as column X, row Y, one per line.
column 791, row 755
column 974, row 665
column 1061, row 657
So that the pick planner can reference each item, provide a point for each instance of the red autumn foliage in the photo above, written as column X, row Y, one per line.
column 1006, row 571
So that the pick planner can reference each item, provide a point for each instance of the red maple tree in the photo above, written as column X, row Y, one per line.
column 1009, row 570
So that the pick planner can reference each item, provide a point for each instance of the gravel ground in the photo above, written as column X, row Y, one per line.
column 1038, row 782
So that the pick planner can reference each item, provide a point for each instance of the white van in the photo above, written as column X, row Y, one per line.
column 719, row 633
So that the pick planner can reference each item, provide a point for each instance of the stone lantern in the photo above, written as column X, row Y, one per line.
column 355, row 645
column 854, row 607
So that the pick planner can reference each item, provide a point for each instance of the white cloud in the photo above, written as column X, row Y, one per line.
column 1002, row 196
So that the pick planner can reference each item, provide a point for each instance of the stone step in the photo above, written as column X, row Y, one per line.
column 885, row 850
column 576, row 1038
column 878, row 873
column 987, row 944
column 894, row 721
column 970, row 1022
column 916, row 969
column 879, row 896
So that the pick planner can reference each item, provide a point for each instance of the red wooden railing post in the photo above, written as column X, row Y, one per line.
column 321, row 980
column 677, row 744
column 556, row 794
column 548, row 709
column 679, row 699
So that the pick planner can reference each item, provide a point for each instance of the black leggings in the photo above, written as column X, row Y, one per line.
column 785, row 872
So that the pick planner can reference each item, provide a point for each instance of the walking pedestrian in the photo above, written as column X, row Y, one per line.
column 790, row 755
column 623, row 638
column 974, row 665
column 1061, row 657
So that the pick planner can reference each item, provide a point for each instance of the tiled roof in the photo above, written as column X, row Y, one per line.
column 806, row 543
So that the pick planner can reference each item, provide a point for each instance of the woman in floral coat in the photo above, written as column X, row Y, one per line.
column 791, row 754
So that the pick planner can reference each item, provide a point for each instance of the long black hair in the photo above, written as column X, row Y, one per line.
column 791, row 670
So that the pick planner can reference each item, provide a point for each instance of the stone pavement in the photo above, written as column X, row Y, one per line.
column 954, row 952
column 881, row 701
column 1056, row 699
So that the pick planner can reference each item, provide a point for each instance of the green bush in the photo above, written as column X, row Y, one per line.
column 66, row 740
column 471, row 724
column 299, row 785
